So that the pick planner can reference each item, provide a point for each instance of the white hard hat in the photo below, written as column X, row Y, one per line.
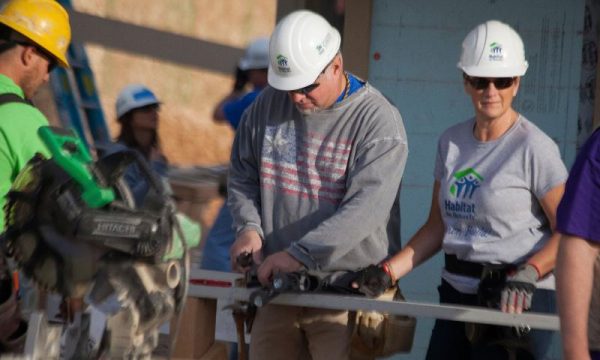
column 301, row 45
column 493, row 49
column 134, row 96
column 256, row 56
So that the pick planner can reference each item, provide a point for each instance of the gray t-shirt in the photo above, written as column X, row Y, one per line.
column 319, row 186
column 489, row 194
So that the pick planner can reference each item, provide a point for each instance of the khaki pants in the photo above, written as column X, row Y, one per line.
column 291, row 332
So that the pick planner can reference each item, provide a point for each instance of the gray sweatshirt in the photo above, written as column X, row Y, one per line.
column 319, row 186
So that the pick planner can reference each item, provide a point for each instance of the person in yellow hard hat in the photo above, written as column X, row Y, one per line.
column 34, row 37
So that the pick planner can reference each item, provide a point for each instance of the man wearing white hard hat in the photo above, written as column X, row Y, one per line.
column 315, row 167
column 498, row 182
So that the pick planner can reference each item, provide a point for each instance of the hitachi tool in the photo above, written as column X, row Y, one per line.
column 73, row 228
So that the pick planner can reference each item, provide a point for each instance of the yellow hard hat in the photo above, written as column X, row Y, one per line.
column 44, row 22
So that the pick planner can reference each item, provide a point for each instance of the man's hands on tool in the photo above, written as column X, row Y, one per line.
column 246, row 242
column 373, row 281
column 518, row 291
column 279, row 262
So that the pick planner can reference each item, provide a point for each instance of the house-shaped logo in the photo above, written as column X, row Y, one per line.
column 465, row 183
column 282, row 64
column 496, row 53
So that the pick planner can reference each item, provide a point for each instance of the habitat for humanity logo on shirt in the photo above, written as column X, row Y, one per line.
column 465, row 183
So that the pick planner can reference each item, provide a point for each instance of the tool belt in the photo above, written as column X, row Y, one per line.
column 492, row 278
column 473, row 269
column 381, row 335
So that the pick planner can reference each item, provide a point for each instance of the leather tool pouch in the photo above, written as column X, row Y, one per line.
column 381, row 335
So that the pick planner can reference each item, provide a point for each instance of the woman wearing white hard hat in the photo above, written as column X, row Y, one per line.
column 137, row 111
column 498, row 182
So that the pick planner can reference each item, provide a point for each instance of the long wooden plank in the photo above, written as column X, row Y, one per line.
column 328, row 301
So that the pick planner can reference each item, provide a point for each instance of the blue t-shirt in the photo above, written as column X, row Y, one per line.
column 355, row 84
column 579, row 211
column 234, row 109
column 215, row 255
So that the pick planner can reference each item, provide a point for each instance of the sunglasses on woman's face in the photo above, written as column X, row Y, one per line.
column 481, row 83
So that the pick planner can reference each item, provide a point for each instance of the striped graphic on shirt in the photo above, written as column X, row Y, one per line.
column 310, row 166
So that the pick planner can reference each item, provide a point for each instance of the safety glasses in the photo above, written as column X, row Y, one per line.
column 481, row 83
column 52, row 63
column 46, row 55
column 307, row 89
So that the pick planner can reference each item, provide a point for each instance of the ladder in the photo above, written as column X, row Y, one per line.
column 76, row 96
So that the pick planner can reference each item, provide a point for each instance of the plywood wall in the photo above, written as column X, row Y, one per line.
column 188, row 134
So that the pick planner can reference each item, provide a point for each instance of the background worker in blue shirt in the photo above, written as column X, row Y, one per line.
column 251, row 72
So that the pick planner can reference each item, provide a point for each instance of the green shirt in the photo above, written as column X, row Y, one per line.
column 19, row 141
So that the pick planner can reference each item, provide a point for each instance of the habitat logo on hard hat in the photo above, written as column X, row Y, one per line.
column 323, row 45
column 467, row 181
column 282, row 64
column 496, row 52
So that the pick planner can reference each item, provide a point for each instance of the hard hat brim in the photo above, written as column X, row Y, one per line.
column 245, row 64
column 138, row 105
column 288, row 83
column 494, row 72
column 61, row 59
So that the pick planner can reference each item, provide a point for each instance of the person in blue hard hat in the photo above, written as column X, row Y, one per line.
column 137, row 109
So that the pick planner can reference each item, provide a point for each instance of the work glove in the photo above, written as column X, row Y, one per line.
column 372, row 281
column 518, row 290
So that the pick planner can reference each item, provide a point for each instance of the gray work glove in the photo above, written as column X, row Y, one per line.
column 518, row 290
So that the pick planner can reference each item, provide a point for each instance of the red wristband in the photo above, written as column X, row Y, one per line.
column 387, row 267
